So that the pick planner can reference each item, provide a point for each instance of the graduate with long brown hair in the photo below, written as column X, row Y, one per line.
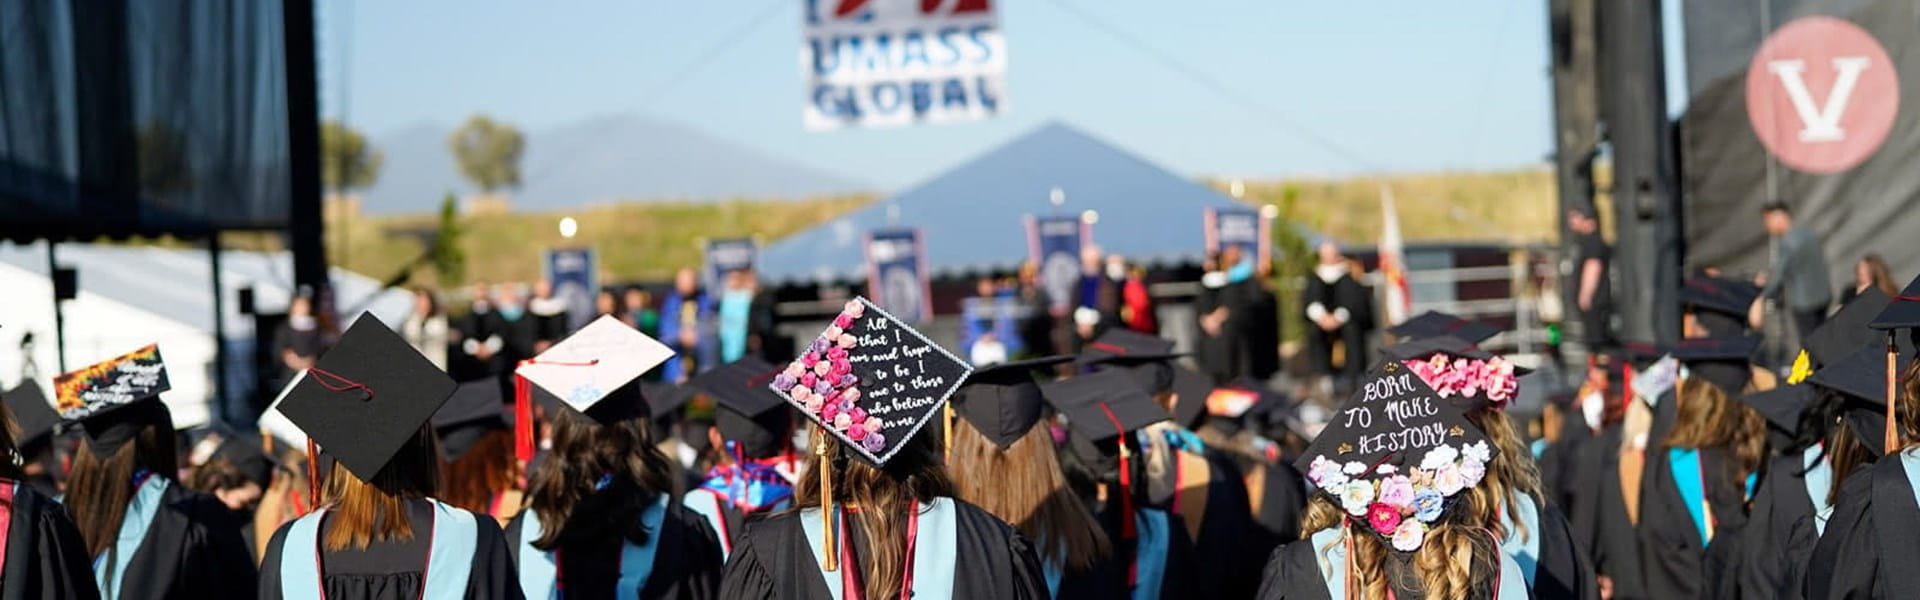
column 150, row 537
column 476, row 448
column 41, row 553
column 378, row 532
column 876, row 515
column 602, row 521
column 1003, row 460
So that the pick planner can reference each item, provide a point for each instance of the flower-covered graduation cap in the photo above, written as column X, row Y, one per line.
column 870, row 380
column 1396, row 455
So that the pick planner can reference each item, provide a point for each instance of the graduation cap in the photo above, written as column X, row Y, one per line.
column 1421, row 348
column 1190, row 393
column 367, row 397
column 1396, row 455
column 1435, row 323
column 1903, row 312
column 1002, row 401
column 747, row 413
column 1469, row 393
column 1723, row 361
column 664, row 398
column 875, row 381
column 115, row 398
column 31, row 413
column 1719, row 305
column 475, row 409
column 1102, row 406
column 1861, row 377
column 249, row 457
column 1847, row 329
column 1147, row 357
column 590, row 371
column 1781, row 406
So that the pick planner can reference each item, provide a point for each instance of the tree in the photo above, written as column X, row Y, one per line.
column 488, row 153
column 449, row 261
column 347, row 161
column 1295, row 262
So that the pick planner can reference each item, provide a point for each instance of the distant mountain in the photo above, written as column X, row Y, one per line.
column 597, row 160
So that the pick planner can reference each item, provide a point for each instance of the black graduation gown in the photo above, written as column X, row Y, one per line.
column 775, row 560
column 394, row 570
column 1564, row 571
column 192, row 550
column 1106, row 579
column 1674, row 558
column 1178, row 567
column 1868, row 550
column 45, row 556
column 1283, row 499
column 687, row 562
column 1560, row 470
column 1293, row 573
column 1779, row 504
column 1230, row 545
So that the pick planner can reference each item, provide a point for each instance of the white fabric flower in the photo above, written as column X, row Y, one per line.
column 1439, row 456
column 1355, row 467
column 1480, row 452
column 1356, row 497
column 1385, row 469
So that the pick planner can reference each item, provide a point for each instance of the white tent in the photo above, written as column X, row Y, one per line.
column 131, row 296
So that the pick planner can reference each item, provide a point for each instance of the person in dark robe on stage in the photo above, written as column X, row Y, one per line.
column 150, row 536
column 1510, row 500
column 1404, row 521
column 377, row 532
column 518, row 327
column 875, row 515
column 1106, row 411
column 548, row 317
column 1699, row 477
column 476, row 447
column 1338, row 310
column 751, row 441
column 1002, row 460
column 601, row 519
column 39, row 455
column 1866, row 549
column 477, row 341
column 1183, row 476
column 44, row 555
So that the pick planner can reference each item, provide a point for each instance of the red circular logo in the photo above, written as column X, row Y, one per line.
column 1822, row 94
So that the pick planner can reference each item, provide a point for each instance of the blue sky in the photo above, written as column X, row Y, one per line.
column 1407, row 86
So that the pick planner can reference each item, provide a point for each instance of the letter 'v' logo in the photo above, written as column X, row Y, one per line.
column 1820, row 123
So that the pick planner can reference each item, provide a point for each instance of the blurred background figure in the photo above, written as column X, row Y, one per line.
column 1136, row 306
column 686, row 314
column 1870, row 272
column 1339, row 311
column 1797, row 276
column 426, row 328
column 298, row 340
column 638, row 311
column 549, row 314
column 1594, row 302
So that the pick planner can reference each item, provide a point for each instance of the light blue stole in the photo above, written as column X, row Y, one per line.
column 1819, row 480
column 539, row 573
column 934, row 550
column 449, row 555
column 1150, row 552
column 1332, row 549
column 1054, row 574
column 133, row 529
column 1523, row 549
column 1685, row 465
column 1910, row 462
column 706, row 503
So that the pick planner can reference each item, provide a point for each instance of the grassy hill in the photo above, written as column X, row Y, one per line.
column 1513, row 206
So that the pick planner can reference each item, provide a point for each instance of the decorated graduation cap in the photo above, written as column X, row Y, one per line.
column 1002, row 401
column 366, row 398
column 1456, row 370
column 1860, row 378
column 1723, row 361
column 113, row 399
column 876, row 382
column 31, row 413
column 750, row 415
column 1396, row 455
column 475, row 409
column 1781, row 406
column 1435, row 324
column 1719, row 305
column 1903, row 312
column 591, row 372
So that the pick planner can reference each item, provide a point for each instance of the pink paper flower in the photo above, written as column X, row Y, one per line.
column 808, row 379
column 848, row 341
column 842, row 421
column 1449, row 480
column 1383, row 517
column 875, row 442
column 859, row 415
column 843, row 321
column 854, row 308
column 1397, row 491
column 822, row 367
column 831, row 332
column 800, row 394
column 856, row 433
column 837, row 354
column 850, row 395
column 839, row 369
column 794, row 369
column 809, row 359
column 873, row 425
column 814, row 404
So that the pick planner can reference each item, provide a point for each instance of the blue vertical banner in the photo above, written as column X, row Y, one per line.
column 897, row 273
column 1242, row 227
column 1053, row 244
column 729, row 255
column 575, row 279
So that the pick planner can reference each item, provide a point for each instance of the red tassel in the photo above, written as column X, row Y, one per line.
column 522, row 417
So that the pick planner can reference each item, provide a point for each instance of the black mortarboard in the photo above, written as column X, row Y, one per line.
column 1393, row 431
column 1190, row 392
column 367, row 397
column 876, row 381
column 1724, row 361
column 1002, row 401
column 247, row 455
column 115, row 398
column 1719, row 305
column 1641, row 354
column 746, row 412
column 475, row 409
column 1126, row 345
column 1104, row 405
column 1847, row 329
column 1862, row 378
column 1781, row 406
column 1425, row 347
column 593, row 371
column 31, row 413
column 1903, row 312
column 664, row 398
column 1435, row 323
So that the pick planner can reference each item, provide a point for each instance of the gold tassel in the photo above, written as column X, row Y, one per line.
column 946, row 432
column 830, row 550
column 1893, row 419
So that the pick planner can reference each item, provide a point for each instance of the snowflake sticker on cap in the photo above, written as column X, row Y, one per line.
column 870, row 380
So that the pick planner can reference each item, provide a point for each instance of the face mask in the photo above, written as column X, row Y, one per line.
column 1593, row 408
column 1116, row 272
column 512, row 312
